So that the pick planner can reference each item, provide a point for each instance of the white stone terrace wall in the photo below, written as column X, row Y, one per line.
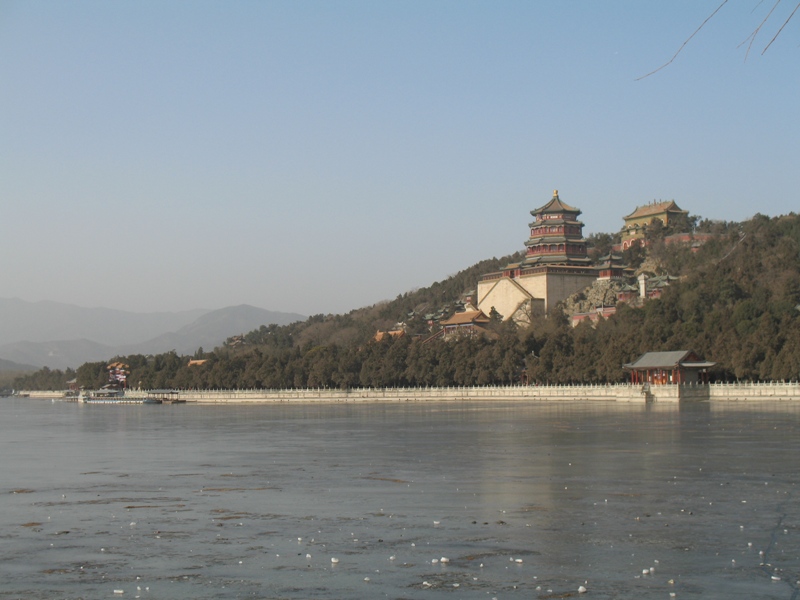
column 775, row 390
column 601, row 393
column 504, row 393
column 725, row 392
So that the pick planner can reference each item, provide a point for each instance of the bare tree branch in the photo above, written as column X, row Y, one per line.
column 789, row 18
column 669, row 62
column 752, row 36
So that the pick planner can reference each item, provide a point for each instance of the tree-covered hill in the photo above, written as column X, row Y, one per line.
column 736, row 302
column 442, row 298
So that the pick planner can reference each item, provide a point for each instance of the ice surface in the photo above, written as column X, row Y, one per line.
column 411, row 500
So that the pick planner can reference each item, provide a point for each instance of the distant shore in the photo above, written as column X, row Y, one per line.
column 731, row 392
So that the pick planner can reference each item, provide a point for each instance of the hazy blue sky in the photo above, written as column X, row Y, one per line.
column 317, row 157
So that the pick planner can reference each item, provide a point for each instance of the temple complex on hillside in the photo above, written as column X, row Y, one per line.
column 555, row 266
column 636, row 223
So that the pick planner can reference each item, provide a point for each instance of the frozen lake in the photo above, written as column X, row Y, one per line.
column 364, row 501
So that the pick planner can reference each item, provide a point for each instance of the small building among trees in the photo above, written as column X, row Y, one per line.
column 470, row 322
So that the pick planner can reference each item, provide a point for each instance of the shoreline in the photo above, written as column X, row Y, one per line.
column 622, row 393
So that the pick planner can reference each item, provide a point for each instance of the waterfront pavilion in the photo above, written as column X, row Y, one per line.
column 675, row 367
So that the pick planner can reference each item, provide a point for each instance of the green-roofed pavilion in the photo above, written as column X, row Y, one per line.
column 673, row 367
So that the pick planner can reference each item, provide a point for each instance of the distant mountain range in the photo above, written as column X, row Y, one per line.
column 7, row 365
column 56, row 335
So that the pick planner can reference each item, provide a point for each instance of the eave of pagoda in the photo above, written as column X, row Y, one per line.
column 556, row 259
column 555, row 221
column 555, row 239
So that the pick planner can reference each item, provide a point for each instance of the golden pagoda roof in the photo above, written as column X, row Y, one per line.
column 655, row 208
column 464, row 318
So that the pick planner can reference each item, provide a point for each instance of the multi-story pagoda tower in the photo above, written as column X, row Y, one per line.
column 555, row 266
column 556, row 236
